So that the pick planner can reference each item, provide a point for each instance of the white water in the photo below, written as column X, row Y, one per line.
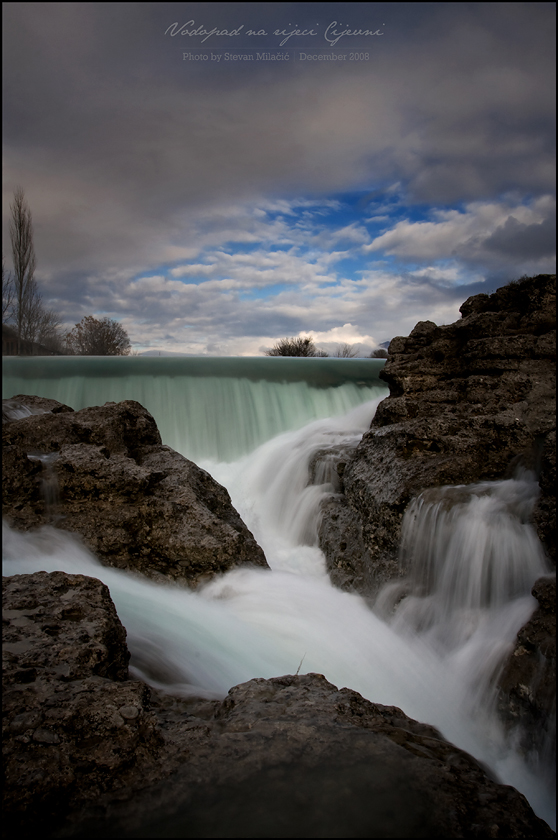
column 472, row 566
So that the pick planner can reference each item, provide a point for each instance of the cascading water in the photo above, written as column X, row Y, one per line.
column 217, row 408
column 471, row 556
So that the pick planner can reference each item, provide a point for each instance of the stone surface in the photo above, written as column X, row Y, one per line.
column 23, row 406
column 89, row 753
column 68, row 732
column 468, row 402
column 294, row 756
column 136, row 503
column 527, row 683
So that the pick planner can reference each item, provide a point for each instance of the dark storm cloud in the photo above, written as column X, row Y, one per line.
column 118, row 143
column 516, row 239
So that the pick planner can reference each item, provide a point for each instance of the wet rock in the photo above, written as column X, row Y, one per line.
column 136, row 503
column 23, row 406
column 88, row 752
column 67, row 733
column 527, row 682
column 468, row 402
column 294, row 756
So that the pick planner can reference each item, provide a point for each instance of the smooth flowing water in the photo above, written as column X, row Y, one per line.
column 470, row 553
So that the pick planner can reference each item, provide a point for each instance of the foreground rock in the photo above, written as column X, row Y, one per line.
column 136, row 503
column 527, row 683
column 90, row 753
column 468, row 402
column 73, row 725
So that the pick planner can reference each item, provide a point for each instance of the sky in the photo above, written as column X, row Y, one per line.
column 218, row 176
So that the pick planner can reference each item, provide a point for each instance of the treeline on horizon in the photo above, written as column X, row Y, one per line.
column 306, row 347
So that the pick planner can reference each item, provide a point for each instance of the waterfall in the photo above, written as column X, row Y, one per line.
column 218, row 408
column 429, row 646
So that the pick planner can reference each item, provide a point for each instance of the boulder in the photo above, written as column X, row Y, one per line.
column 468, row 402
column 73, row 725
column 104, row 474
column 23, row 406
column 294, row 756
column 88, row 752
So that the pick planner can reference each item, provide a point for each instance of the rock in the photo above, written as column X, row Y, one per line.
column 295, row 757
column 23, row 406
column 544, row 515
column 527, row 682
column 68, row 732
column 468, row 402
column 89, row 753
column 136, row 503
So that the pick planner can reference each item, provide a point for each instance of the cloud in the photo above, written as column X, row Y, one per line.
column 120, row 145
column 215, row 209
column 477, row 234
column 524, row 241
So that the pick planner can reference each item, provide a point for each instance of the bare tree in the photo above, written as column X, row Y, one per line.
column 8, row 294
column 295, row 347
column 32, row 312
column 23, row 255
column 379, row 353
column 92, row 337
column 346, row 351
column 49, row 334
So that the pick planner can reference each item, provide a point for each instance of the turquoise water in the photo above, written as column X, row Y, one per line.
column 205, row 408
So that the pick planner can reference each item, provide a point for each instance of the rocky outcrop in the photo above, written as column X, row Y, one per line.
column 73, row 725
column 90, row 753
column 527, row 682
column 136, row 503
column 468, row 402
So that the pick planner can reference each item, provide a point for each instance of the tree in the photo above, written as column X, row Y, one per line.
column 92, row 337
column 8, row 294
column 379, row 353
column 346, row 351
column 48, row 332
column 23, row 256
column 36, row 328
column 295, row 347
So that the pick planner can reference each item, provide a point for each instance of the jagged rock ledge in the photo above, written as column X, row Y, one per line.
column 136, row 504
column 468, row 402
column 88, row 752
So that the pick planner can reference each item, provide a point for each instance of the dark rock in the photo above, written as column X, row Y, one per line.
column 136, row 503
column 342, row 541
column 295, row 757
column 527, row 683
column 468, row 402
column 68, row 732
column 89, row 753
column 544, row 515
